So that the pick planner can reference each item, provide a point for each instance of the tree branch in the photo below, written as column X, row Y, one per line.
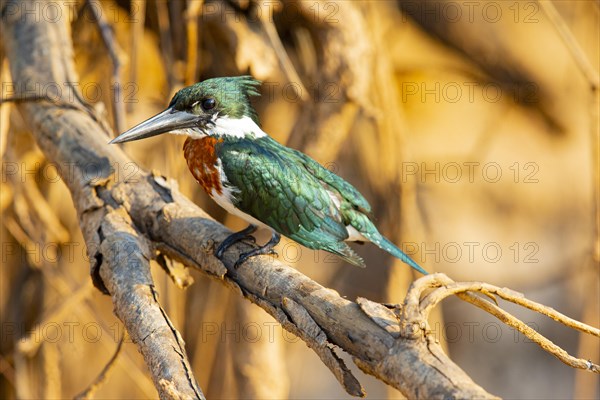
column 89, row 391
column 445, row 287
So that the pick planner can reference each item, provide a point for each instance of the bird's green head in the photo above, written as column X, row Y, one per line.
column 217, row 106
column 223, row 96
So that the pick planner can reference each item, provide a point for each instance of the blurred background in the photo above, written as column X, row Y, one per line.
column 471, row 127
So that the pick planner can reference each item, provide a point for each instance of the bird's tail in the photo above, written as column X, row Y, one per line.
column 384, row 244
column 365, row 226
column 391, row 248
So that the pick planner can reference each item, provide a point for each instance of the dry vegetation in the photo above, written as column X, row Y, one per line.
column 473, row 135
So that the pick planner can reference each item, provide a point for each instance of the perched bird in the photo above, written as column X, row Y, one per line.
column 252, row 176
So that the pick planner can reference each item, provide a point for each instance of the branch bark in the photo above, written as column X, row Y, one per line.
column 129, row 216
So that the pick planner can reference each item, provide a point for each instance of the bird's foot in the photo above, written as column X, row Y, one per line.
column 234, row 238
column 267, row 249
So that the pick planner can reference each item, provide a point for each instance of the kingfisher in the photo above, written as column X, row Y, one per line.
column 253, row 176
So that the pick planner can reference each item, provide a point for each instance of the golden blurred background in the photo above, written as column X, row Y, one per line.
column 470, row 126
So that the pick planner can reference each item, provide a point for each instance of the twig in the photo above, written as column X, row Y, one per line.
column 5, row 110
column 51, row 387
column 509, row 295
column 166, row 47
column 7, row 370
column 530, row 333
column 266, row 19
column 193, row 42
column 88, row 392
column 585, row 386
column 138, row 11
column 445, row 287
column 108, row 37
column 572, row 44
column 344, row 84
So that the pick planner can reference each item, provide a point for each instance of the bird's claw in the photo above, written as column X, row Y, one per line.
column 256, row 252
column 244, row 234
column 243, row 257
column 267, row 249
column 249, row 239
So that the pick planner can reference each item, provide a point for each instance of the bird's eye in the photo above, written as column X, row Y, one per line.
column 208, row 104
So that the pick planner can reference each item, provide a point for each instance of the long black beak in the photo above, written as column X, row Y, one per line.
column 167, row 121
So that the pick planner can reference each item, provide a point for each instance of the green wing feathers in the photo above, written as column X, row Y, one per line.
column 297, row 197
column 281, row 193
